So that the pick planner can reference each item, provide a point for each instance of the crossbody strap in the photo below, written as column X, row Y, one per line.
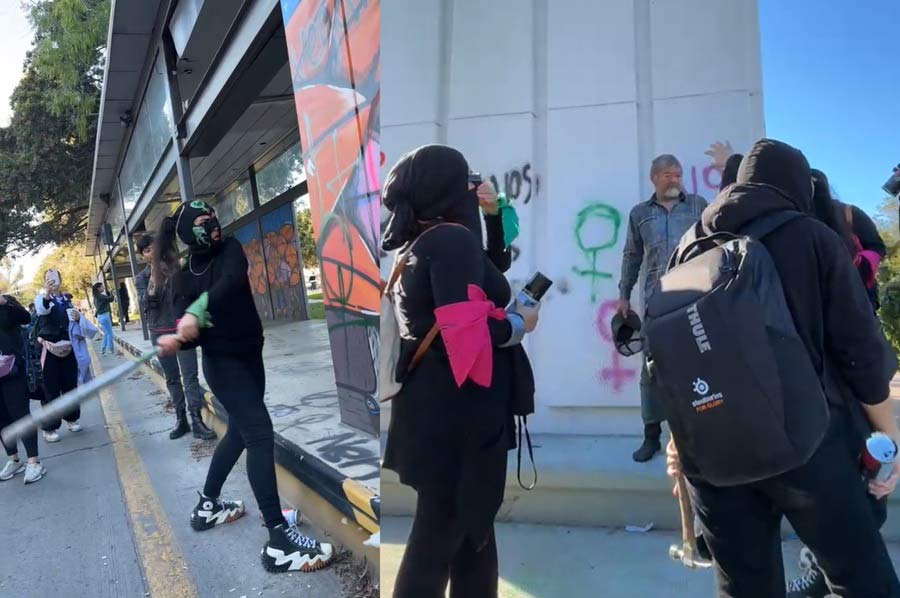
column 399, row 265
column 523, row 425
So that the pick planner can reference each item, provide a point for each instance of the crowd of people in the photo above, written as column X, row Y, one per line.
column 44, row 354
column 825, row 255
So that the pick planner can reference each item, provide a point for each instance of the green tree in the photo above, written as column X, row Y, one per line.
column 77, row 270
column 307, row 239
column 47, row 151
column 69, row 50
column 887, row 219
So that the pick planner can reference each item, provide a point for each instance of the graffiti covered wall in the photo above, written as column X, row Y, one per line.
column 564, row 115
column 334, row 49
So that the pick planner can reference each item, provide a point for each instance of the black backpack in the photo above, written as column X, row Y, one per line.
column 743, row 399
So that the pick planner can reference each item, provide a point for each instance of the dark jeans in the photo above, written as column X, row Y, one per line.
column 438, row 552
column 60, row 376
column 239, row 382
column 826, row 503
column 13, row 407
column 179, row 368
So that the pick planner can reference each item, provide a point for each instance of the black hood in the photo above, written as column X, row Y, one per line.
column 426, row 185
column 773, row 177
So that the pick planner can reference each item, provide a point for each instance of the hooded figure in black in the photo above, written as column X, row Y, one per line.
column 213, row 293
column 451, row 425
column 825, row 500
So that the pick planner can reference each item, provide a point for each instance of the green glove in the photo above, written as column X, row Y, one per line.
column 509, row 219
column 198, row 309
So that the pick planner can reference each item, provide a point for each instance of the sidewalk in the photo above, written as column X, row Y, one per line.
column 538, row 561
column 336, row 461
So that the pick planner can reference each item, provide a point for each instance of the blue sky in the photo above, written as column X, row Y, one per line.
column 831, row 84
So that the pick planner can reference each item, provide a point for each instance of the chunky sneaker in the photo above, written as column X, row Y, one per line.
column 10, row 469
column 34, row 472
column 74, row 426
column 812, row 582
column 289, row 550
column 52, row 436
column 211, row 512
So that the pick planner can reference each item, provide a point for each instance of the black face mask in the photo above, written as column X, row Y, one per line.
column 204, row 243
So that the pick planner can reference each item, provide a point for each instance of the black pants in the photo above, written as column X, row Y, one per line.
column 60, row 377
column 239, row 382
column 439, row 552
column 14, row 406
column 826, row 503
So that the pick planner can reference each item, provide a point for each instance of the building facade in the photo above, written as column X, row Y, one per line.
column 564, row 104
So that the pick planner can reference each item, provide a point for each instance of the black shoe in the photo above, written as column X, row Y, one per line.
column 211, row 512
column 651, row 445
column 200, row 430
column 812, row 582
column 181, row 428
column 648, row 449
column 289, row 550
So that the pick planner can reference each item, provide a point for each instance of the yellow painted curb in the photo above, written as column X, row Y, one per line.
column 161, row 557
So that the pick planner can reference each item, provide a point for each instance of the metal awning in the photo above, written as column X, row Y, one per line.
column 133, row 30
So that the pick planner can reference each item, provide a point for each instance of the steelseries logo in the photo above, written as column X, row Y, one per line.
column 698, row 329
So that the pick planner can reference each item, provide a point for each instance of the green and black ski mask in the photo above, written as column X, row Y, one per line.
column 198, row 238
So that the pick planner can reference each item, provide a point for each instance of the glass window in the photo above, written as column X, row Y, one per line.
column 234, row 204
column 152, row 132
column 280, row 174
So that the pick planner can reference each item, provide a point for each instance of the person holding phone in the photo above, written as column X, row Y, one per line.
column 451, row 426
column 58, row 364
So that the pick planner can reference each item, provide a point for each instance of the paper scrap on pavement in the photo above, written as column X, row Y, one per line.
column 639, row 529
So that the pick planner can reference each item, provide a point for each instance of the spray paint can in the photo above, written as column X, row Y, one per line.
column 892, row 185
column 878, row 456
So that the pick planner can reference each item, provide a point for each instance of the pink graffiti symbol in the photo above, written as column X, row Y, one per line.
column 615, row 374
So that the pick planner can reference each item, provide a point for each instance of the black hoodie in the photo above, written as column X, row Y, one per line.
column 830, row 308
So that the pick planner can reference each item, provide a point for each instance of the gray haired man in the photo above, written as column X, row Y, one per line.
column 655, row 227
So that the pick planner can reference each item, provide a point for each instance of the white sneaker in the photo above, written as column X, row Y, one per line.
column 10, row 469
column 34, row 472
column 51, row 436
column 73, row 426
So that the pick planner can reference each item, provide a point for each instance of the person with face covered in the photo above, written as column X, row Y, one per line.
column 655, row 227
column 213, row 293
column 825, row 500
column 58, row 364
column 450, row 427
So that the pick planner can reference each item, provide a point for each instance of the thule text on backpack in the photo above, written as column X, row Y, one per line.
column 697, row 329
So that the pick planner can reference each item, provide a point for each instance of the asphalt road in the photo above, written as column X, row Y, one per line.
column 111, row 516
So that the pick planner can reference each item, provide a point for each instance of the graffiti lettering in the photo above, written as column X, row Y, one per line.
column 320, row 399
column 348, row 450
column 709, row 177
column 596, row 229
column 517, row 184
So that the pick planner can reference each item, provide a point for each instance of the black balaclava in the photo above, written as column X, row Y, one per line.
column 777, row 165
column 198, row 238
column 425, row 186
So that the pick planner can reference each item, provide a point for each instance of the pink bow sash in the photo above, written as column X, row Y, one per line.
column 467, row 338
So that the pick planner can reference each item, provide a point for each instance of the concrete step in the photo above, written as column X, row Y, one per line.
column 587, row 481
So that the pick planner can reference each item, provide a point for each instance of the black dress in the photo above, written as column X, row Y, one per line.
column 443, row 437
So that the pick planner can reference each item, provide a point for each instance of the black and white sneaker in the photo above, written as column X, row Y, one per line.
column 812, row 582
column 211, row 512
column 289, row 550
